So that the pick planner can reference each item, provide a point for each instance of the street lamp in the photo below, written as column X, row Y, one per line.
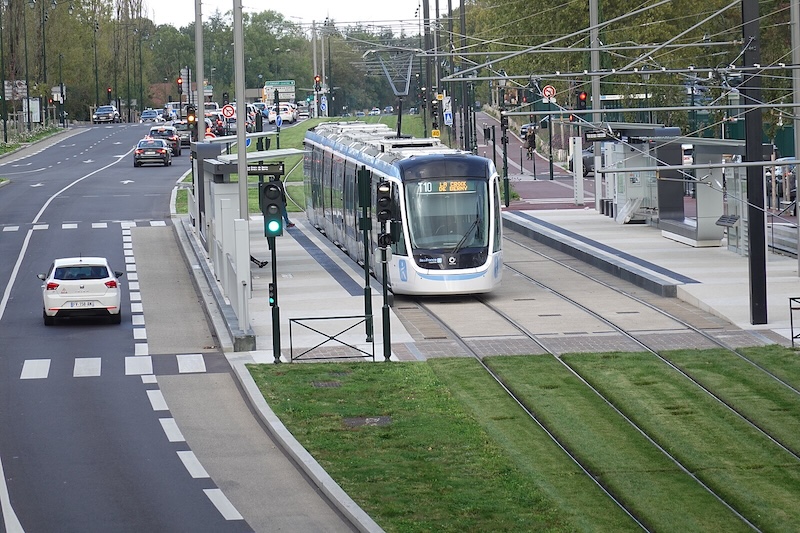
column 3, row 73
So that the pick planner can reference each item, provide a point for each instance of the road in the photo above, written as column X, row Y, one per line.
column 84, row 444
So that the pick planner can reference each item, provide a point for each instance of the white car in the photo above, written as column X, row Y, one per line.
column 287, row 114
column 79, row 287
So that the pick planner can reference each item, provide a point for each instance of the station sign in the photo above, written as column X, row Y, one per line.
column 599, row 135
column 270, row 169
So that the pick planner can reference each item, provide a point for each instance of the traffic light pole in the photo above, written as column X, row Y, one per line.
column 366, row 224
column 387, row 334
column 504, row 141
column 550, row 136
column 276, row 310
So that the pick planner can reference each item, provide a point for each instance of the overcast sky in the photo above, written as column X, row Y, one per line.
column 181, row 12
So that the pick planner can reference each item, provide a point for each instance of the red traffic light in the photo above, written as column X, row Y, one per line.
column 317, row 78
column 180, row 81
column 108, row 90
column 582, row 96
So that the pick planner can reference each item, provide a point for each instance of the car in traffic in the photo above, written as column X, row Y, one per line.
column 388, row 110
column 152, row 151
column 360, row 114
column 216, row 122
column 169, row 134
column 150, row 115
column 105, row 113
column 286, row 112
column 185, row 132
column 80, row 287
column 375, row 111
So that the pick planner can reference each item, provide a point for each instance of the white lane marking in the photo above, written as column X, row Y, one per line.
column 191, row 463
column 140, row 334
column 35, row 369
column 157, row 400
column 69, row 226
column 137, row 320
column 127, row 251
column 141, row 348
column 149, row 379
column 130, row 260
column 191, row 363
column 135, row 296
column 127, row 224
column 158, row 223
column 41, row 226
column 10, row 520
column 86, row 367
column 171, row 430
column 135, row 366
column 134, row 286
column 130, row 268
column 223, row 504
column 137, row 308
column 99, row 225
column 11, row 228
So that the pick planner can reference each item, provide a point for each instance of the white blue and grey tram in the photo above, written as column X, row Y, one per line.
column 450, row 228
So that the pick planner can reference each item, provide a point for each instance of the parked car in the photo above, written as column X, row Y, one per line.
column 523, row 130
column 588, row 161
column 150, row 115
column 152, row 151
column 80, row 287
column 169, row 134
column 360, row 114
column 105, row 113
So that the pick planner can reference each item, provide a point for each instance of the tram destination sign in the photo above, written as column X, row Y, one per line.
column 599, row 135
column 273, row 169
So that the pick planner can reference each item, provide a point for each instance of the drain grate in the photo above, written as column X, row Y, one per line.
column 367, row 421
column 326, row 384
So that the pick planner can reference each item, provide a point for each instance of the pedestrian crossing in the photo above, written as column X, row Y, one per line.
column 137, row 365
column 124, row 224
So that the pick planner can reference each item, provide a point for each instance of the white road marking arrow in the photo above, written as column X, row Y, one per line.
column 89, row 161
column 125, row 182
column 38, row 185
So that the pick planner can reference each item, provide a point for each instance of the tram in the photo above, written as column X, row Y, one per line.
column 448, row 227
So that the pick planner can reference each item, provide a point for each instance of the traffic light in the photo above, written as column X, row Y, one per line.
column 272, row 206
column 179, row 81
column 273, row 297
column 317, row 83
column 191, row 119
column 225, row 100
column 435, row 114
column 386, row 212
column 503, row 121
column 583, row 96
column 385, row 202
column 108, row 91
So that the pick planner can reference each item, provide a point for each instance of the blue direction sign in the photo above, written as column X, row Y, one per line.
column 247, row 142
column 323, row 103
column 278, row 120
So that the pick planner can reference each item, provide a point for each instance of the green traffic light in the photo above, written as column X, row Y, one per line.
column 273, row 226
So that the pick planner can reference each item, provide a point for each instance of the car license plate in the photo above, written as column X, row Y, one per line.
column 82, row 304
column 149, row 152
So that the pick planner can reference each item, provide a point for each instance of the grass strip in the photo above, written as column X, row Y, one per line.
column 750, row 472
column 752, row 392
column 781, row 361
column 637, row 472
column 432, row 467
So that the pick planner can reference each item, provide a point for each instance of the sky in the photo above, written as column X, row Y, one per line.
column 180, row 13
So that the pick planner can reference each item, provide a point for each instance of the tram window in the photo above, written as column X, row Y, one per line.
column 444, row 213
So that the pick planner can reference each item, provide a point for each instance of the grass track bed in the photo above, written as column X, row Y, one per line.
column 754, row 475
column 435, row 467
column 624, row 460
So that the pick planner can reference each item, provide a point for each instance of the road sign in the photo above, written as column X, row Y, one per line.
column 448, row 118
column 228, row 111
column 435, row 133
column 278, row 120
column 548, row 91
column 210, row 135
column 247, row 142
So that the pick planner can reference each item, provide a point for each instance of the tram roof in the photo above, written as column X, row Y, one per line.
column 376, row 145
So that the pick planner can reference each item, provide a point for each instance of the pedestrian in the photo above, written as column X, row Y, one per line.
column 289, row 223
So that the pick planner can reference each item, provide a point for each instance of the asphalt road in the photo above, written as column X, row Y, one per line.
column 83, row 444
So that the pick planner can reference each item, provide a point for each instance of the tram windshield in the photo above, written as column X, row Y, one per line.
column 448, row 213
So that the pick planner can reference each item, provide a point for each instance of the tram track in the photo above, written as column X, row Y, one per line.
column 545, row 342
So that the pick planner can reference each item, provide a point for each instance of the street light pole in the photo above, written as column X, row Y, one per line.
column 96, row 79
column 61, row 89
column 3, row 74
column 27, row 83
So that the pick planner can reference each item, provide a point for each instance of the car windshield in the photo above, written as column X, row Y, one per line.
column 81, row 272
column 161, row 133
column 148, row 113
column 182, row 127
column 105, row 109
column 151, row 143
column 452, row 213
